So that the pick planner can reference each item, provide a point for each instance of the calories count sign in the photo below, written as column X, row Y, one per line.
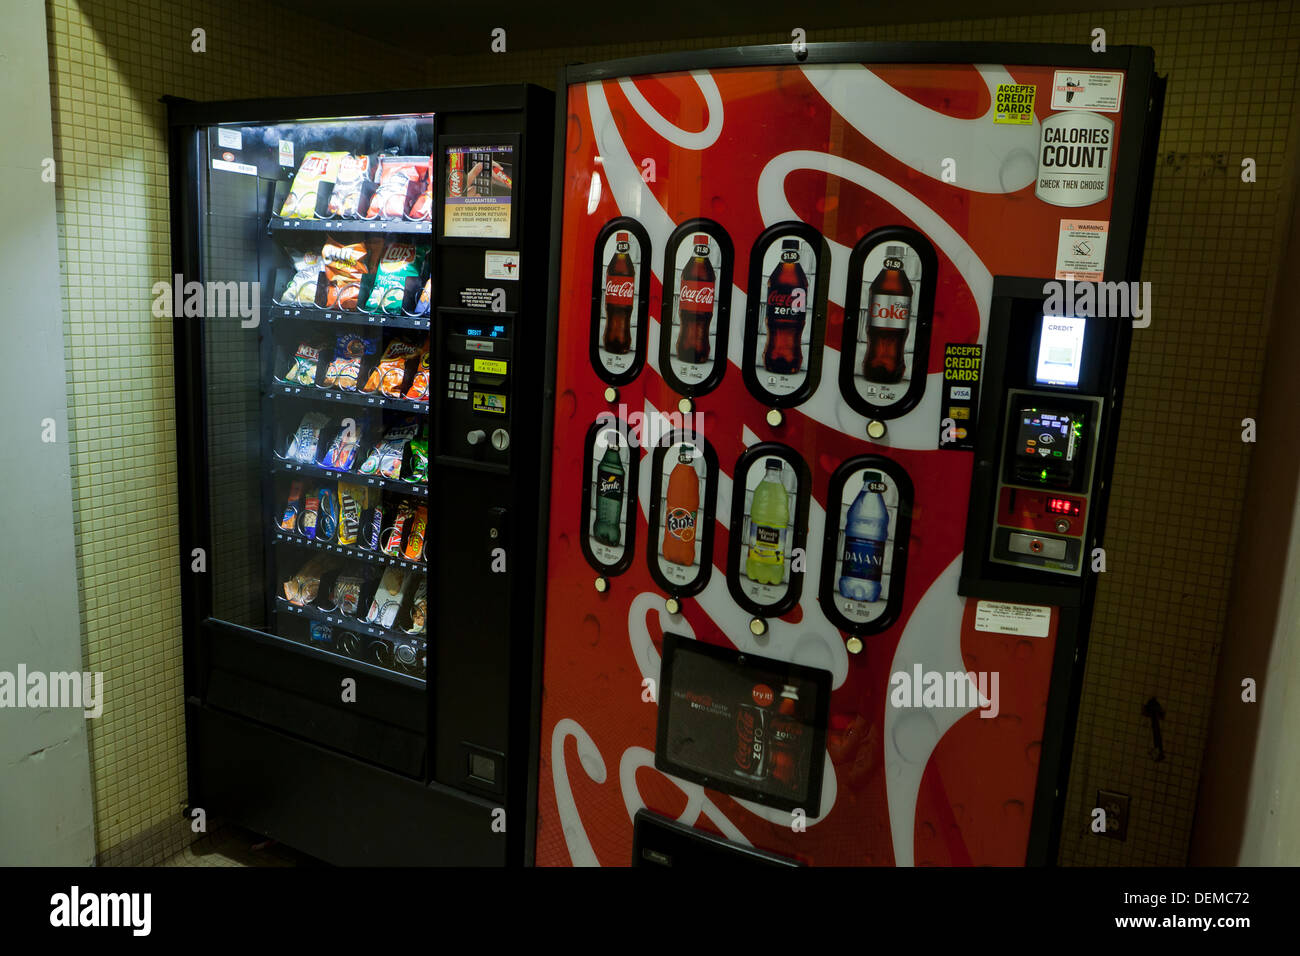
column 1074, row 158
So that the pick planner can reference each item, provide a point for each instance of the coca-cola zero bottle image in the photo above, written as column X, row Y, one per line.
column 620, row 283
column 751, row 756
column 787, row 310
column 695, row 299
column 786, row 741
column 889, row 311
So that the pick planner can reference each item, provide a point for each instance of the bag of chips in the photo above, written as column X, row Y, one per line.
column 386, row 456
column 345, row 264
column 422, row 208
column 419, row 461
column 342, row 452
column 419, row 606
column 388, row 598
column 396, row 176
column 317, row 167
column 419, row 390
column 344, row 369
column 425, row 300
column 390, row 373
column 303, row 442
column 346, row 198
column 399, row 262
column 415, row 540
column 346, row 593
column 305, row 363
column 301, row 289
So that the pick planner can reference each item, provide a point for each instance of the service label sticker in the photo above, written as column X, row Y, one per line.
column 230, row 138
column 961, row 386
column 500, row 265
column 1081, row 250
column 1074, row 157
column 999, row 617
column 286, row 152
column 1013, row 104
column 1086, row 90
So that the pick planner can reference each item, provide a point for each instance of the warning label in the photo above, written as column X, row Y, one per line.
column 999, row 617
column 1014, row 104
column 1081, row 250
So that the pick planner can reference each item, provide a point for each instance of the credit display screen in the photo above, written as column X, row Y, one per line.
column 1060, row 351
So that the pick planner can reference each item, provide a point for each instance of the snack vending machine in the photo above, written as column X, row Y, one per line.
column 840, row 354
column 358, row 418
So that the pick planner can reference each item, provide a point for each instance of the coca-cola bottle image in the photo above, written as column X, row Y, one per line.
column 786, row 739
column 787, row 310
column 695, row 305
column 889, row 310
column 620, row 281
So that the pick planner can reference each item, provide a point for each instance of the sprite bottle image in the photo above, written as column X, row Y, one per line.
column 609, row 497
column 769, row 516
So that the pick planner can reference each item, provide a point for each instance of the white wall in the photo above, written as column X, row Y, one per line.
column 45, row 801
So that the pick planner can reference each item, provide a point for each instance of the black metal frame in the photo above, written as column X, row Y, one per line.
column 452, row 823
column 1134, row 172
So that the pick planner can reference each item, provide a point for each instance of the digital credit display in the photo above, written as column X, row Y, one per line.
column 1060, row 351
column 476, row 330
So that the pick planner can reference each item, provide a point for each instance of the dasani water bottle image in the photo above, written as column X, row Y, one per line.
column 865, row 534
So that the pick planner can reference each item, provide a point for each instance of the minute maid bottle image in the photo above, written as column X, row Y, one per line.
column 769, row 516
column 609, row 496
column 865, row 535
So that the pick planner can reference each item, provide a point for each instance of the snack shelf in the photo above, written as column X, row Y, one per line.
column 422, row 227
column 377, row 558
column 334, row 396
column 419, row 489
column 308, row 313
column 353, row 624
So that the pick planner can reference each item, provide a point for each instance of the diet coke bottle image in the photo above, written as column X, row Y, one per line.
column 695, row 300
column 888, row 315
column 787, row 311
column 620, row 286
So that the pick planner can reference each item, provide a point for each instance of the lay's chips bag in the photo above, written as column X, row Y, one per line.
column 400, row 261
column 317, row 167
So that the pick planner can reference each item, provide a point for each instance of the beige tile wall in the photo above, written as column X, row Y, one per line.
column 1195, row 373
column 109, row 63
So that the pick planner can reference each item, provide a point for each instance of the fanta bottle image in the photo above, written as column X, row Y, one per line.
column 769, row 516
column 681, row 510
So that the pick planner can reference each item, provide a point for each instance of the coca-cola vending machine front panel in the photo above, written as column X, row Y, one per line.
column 773, row 286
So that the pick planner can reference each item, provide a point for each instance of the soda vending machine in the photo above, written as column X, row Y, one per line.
column 355, row 304
column 840, row 342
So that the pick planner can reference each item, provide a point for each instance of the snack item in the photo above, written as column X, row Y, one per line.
column 419, row 390
column 372, row 527
column 289, row 517
column 302, row 587
column 426, row 296
column 328, row 523
column 399, row 262
column 393, row 544
column 310, row 514
column 388, row 598
column 317, row 167
column 345, row 368
column 390, row 373
column 419, row 461
column 305, row 363
column 346, row 593
column 396, row 175
column 303, row 442
column 415, row 540
column 422, row 208
column 346, row 198
column 420, row 607
column 301, row 289
column 345, row 264
column 353, row 501
column 342, row 452
column 385, row 457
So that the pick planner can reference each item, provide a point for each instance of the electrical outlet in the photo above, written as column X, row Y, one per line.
column 1116, row 807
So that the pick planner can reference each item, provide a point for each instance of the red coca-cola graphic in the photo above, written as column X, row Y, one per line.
column 695, row 299
column 751, row 742
column 620, row 286
column 889, row 312
column 787, row 740
column 787, row 310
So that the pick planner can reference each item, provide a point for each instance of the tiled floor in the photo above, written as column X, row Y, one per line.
column 233, row 846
